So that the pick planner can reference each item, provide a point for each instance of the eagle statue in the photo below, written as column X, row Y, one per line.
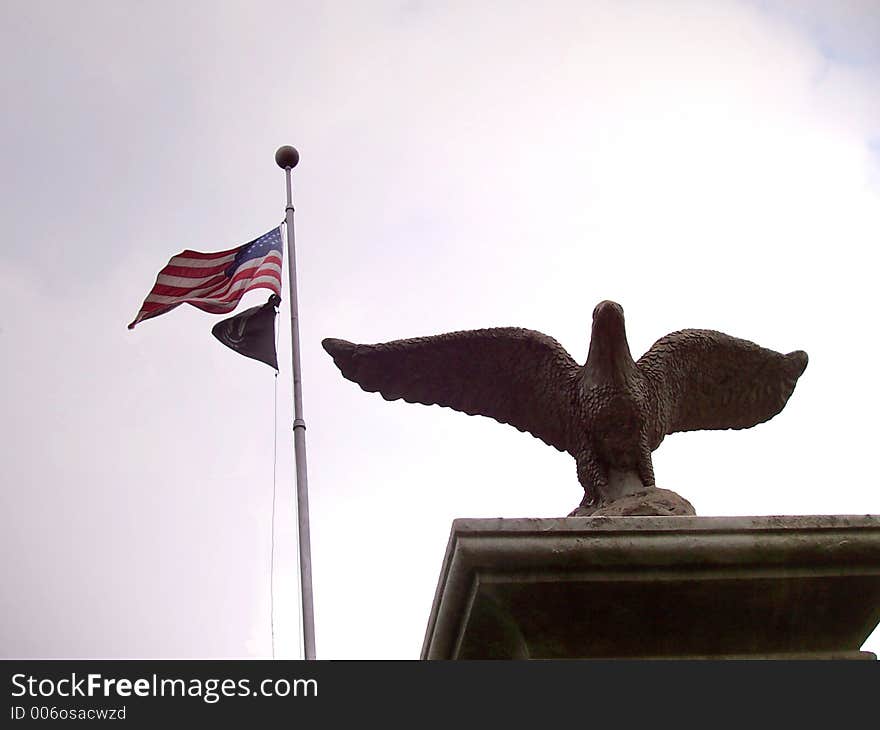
column 610, row 413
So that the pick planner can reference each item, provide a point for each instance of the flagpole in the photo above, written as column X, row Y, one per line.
column 287, row 157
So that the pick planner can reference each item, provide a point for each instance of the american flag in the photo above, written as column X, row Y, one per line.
column 215, row 282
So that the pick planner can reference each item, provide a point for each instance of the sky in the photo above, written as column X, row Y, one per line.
column 463, row 165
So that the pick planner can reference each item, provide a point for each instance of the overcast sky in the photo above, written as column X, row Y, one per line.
column 463, row 165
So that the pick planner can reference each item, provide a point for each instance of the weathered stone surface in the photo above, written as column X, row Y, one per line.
column 646, row 502
column 657, row 587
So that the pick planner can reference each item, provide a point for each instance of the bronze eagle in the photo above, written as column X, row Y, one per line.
column 609, row 414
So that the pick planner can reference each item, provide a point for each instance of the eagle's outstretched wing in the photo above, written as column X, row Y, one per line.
column 702, row 379
column 513, row 375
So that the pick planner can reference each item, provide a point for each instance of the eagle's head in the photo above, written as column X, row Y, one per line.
column 608, row 317
column 609, row 350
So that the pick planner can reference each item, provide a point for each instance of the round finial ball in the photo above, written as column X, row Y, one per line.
column 286, row 156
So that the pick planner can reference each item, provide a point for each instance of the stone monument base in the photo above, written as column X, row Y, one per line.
column 657, row 587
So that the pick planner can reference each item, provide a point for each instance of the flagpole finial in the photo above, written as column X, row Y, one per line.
column 286, row 157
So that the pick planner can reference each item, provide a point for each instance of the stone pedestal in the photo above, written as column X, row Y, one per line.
column 657, row 587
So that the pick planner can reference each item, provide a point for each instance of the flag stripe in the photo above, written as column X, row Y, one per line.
column 181, row 260
column 270, row 279
column 216, row 255
column 220, row 289
column 191, row 262
column 172, row 285
column 159, row 305
column 194, row 272
column 216, row 282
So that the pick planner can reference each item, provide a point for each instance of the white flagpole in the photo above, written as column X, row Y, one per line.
column 286, row 157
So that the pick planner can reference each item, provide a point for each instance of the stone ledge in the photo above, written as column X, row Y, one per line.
column 657, row 587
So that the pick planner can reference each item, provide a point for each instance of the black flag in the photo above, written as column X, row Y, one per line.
column 252, row 332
